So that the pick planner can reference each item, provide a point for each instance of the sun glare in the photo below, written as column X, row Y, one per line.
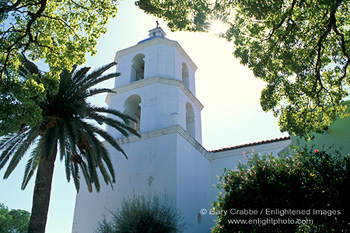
column 218, row 27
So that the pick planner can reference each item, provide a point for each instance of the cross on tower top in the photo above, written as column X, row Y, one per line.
column 157, row 31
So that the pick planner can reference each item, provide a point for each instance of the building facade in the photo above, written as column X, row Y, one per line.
column 157, row 88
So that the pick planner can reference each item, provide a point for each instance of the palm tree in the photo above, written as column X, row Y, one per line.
column 66, row 126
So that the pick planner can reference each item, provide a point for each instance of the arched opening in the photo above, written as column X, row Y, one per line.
column 185, row 78
column 133, row 109
column 138, row 68
column 190, row 123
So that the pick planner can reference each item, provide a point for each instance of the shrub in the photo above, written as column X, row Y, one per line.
column 141, row 214
column 306, row 191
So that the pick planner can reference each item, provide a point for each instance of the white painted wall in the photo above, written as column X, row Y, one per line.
column 163, row 100
column 151, row 167
column 193, row 185
column 166, row 160
column 163, row 58
column 163, row 104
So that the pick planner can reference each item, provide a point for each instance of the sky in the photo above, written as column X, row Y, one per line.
column 229, row 92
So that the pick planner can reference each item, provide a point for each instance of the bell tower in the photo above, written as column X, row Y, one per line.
column 157, row 86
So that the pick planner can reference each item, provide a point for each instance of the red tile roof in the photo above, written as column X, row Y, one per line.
column 252, row 144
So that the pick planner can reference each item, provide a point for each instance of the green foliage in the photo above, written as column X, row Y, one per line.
column 64, row 113
column 188, row 15
column 305, row 180
column 59, row 32
column 140, row 214
column 300, row 48
column 13, row 220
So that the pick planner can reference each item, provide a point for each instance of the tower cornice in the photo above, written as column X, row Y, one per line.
column 160, row 133
column 154, row 80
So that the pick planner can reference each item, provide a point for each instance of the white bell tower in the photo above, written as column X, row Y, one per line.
column 157, row 88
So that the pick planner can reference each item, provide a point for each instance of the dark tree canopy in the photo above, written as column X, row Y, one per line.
column 300, row 48
column 13, row 220
column 59, row 32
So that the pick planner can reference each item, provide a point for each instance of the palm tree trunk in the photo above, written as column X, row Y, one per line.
column 42, row 192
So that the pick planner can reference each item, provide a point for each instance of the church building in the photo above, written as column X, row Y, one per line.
column 157, row 88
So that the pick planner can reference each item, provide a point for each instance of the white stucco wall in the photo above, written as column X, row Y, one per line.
column 163, row 58
column 167, row 160
column 193, row 184
column 163, row 104
column 143, row 172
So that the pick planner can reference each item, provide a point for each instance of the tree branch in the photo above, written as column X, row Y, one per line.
column 4, row 10
column 343, row 47
column 286, row 14
column 28, row 33
column 318, row 65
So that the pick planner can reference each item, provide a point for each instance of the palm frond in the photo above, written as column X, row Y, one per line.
column 85, row 80
column 98, row 72
column 96, row 145
column 105, row 174
column 31, row 166
column 126, row 118
column 6, row 140
column 105, row 135
column 50, row 140
column 62, row 134
column 86, row 176
column 80, row 74
column 84, row 86
column 10, row 147
column 65, row 84
column 100, row 152
column 68, row 165
column 108, row 162
column 92, row 92
column 70, row 148
column 72, row 129
column 65, row 148
column 96, row 182
column 75, row 173
column 121, row 127
column 91, row 165
column 100, row 79
column 21, row 149
column 78, row 79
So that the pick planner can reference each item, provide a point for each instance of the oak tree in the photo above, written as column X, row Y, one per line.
column 300, row 48
column 58, row 32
